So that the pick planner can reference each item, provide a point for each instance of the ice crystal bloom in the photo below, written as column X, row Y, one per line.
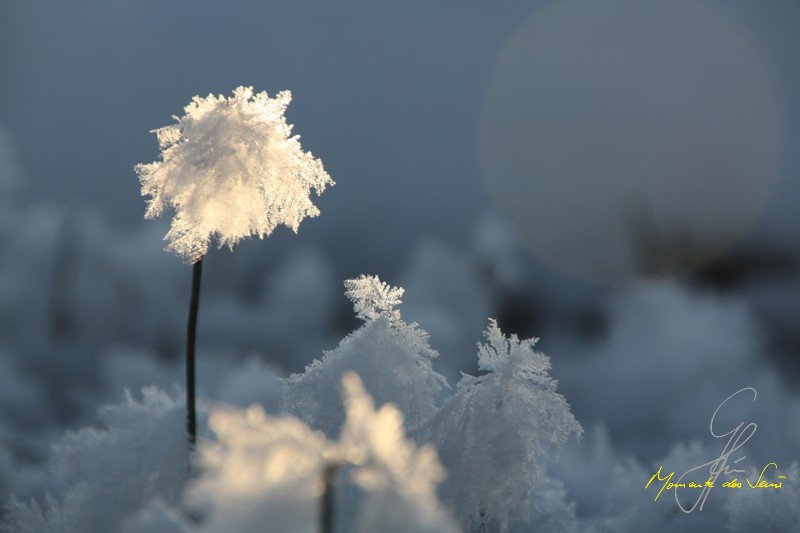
column 230, row 168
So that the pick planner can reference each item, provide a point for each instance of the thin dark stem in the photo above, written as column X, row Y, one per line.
column 191, row 333
column 328, row 498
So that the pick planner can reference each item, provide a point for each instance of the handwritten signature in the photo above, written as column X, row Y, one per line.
column 722, row 465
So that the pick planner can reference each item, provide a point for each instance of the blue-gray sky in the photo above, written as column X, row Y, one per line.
column 388, row 94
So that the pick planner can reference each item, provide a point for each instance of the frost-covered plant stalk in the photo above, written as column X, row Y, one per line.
column 495, row 436
column 230, row 168
column 393, row 359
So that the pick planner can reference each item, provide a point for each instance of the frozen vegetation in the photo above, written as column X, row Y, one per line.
column 490, row 430
column 420, row 461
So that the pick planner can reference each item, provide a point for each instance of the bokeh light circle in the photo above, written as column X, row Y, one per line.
column 628, row 138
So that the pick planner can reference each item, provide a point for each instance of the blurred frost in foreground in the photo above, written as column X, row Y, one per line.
column 231, row 169
column 269, row 470
column 256, row 471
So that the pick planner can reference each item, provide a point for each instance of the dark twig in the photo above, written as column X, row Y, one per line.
column 191, row 333
column 328, row 497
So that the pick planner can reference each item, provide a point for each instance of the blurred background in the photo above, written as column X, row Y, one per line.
column 618, row 178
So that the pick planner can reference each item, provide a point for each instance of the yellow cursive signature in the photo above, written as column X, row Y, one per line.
column 669, row 485
column 761, row 484
column 722, row 465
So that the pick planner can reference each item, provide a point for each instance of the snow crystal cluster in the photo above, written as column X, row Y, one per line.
column 231, row 168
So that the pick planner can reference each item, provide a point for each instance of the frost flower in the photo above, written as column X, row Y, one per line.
column 231, row 168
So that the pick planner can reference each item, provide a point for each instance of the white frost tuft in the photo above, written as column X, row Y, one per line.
column 231, row 169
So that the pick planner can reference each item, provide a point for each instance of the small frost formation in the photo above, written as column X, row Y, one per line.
column 373, row 298
column 97, row 477
column 393, row 359
column 230, row 168
column 498, row 432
